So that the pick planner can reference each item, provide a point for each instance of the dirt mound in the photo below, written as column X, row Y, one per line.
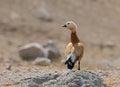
column 68, row 79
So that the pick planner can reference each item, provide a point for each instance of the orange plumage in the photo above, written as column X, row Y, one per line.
column 74, row 50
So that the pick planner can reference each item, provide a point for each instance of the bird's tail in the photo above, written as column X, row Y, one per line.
column 70, row 60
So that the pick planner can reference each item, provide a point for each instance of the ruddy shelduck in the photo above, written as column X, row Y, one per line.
column 74, row 49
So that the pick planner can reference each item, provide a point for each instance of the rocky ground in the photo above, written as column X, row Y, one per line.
column 23, row 77
column 74, row 78
column 39, row 21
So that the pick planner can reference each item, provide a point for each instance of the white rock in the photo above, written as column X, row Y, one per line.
column 42, row 61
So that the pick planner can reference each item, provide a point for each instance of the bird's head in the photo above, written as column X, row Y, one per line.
column 70, row 25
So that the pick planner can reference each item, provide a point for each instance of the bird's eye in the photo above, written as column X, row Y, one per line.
column 68, row 23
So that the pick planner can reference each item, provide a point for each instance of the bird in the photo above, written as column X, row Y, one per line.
column 75, row 48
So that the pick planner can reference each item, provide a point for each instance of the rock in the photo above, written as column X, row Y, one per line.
column 107, row 63
column 32, row 85
column 103, row 73
column 73, row 85
column 8, row 67
column 32, row 51
column 66, row 79
column 86, row 85
column 43, row 14
column 12, row 60
column 108, row 44
column 52, row 50
column 42, row 61
column 14, row 15
column 116, row 61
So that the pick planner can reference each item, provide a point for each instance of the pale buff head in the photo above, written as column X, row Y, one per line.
column 71, row 26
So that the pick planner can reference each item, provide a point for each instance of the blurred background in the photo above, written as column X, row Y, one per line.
column 28, row 21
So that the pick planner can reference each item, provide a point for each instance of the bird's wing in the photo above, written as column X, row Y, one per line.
column 68, row 49
column 77, row 50
column 81, row 49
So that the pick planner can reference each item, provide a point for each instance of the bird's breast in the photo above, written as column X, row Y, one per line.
column 77, row 49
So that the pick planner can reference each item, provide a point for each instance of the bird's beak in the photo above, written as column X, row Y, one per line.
column 64, row 25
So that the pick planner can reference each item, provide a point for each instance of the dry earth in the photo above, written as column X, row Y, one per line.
column 98, row 27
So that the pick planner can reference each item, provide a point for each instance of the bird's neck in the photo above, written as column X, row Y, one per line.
column 74, row 38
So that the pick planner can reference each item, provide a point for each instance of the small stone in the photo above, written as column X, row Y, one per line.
column 42, row 61
column 8, row 67
column 72, row 85
column 110, row 44
column 103, row 73
column 33, row 85
column 78, row 82
column 106, row 63
column 85, row 85
column 116, row 61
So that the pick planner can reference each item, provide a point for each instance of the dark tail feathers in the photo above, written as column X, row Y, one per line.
column 69, row 63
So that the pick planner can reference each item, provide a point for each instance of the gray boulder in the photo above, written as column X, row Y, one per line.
column 32, row 51
column 42, row 61
column 66, row 79
column 43, row 14
column 52, row 50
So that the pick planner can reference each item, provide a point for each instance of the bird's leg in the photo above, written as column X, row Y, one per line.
column 78, row 65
